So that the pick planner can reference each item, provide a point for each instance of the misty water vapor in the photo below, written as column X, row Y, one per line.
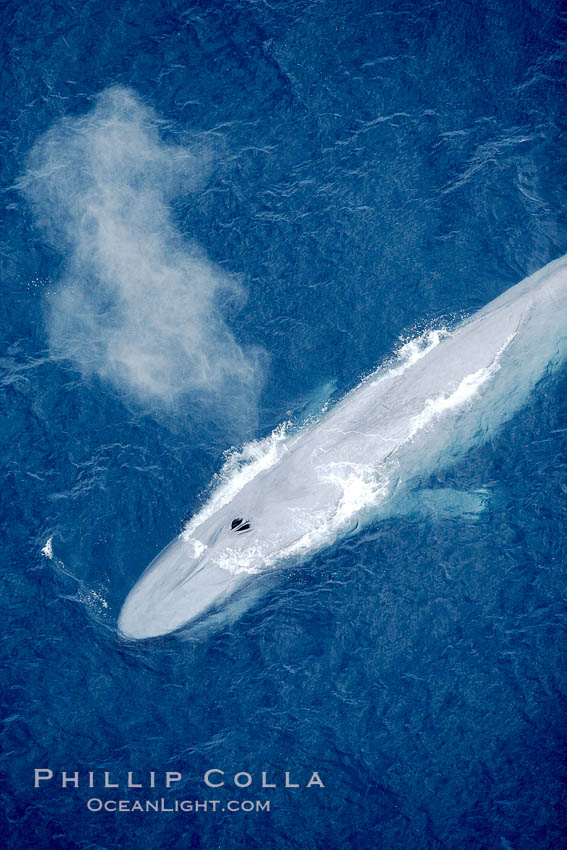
column 138, row 304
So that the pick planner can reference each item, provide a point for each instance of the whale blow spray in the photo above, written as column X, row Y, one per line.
column 138, row 303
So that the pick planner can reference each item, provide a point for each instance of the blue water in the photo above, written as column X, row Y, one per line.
column 362, row 169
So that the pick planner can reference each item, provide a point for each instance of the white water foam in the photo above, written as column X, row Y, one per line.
column 467, row 389
column 47, row 550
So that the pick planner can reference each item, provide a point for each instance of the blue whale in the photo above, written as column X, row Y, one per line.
column 363, row 459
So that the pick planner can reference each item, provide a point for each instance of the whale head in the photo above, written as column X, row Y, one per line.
column 184, row 581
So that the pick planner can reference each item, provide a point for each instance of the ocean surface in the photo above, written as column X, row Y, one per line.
column 216, row 218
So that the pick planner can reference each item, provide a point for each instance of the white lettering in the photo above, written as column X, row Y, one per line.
column 107, row 782
column 213, row 784
column 171, row 776
column 73, row 779
column 265, row 783
column 42, row 775
column 132, row 784
column 289, row 784
column 247, row 780
column 315, row 780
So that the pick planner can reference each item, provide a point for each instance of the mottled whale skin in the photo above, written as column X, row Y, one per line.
column 365, row 457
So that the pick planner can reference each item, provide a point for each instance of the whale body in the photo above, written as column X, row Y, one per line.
column 365, row 457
